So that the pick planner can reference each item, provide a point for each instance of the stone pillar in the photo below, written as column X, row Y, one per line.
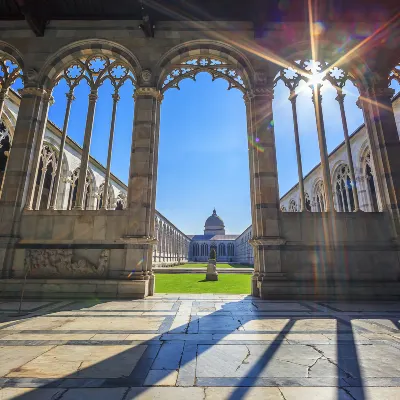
column 28, row 137
column 54, row 193
column 385, row 146
column 81, row 191
column 3, row 97
column 292, row 98
column 142, row 185
column 115, row 97
column 263, row 187
column 340, row 100
column 41, row 183
column 317, row 100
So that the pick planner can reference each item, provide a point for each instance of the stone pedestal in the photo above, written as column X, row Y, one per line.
column 212, row 274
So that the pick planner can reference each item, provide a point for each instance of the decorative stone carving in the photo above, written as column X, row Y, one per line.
column 146, row 76
column 148, row 91
column 59, row 263
column 31, row 77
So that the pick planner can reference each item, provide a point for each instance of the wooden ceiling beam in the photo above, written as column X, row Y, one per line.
column 31, row 12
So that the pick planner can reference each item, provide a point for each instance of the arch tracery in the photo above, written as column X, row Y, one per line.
column 216, row 66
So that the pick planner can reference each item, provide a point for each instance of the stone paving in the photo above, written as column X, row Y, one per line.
column 199, row 347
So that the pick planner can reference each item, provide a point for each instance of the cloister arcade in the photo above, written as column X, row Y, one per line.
column 296, row 254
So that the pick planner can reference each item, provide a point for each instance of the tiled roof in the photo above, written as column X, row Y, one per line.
column 212, row 237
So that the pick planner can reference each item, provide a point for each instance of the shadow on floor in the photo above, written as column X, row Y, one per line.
column 347, row 365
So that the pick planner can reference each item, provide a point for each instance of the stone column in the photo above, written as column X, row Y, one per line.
column 292, row 98
column 142, row 184
column 385, row 146
column 340, row 99
column 115, row 97
column 80, row 194
column 36, row 158
column 28, row 138
column 54, row 193
column 3, row 97
column 41, row 183
column 317, row 100
column 263, row 187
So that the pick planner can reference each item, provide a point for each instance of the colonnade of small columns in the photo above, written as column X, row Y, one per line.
column 172, row 245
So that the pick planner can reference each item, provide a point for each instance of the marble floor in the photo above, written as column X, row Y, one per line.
column 201, row 347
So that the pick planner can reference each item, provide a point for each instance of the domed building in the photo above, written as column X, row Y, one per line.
column 214, row 225
column 226, row 246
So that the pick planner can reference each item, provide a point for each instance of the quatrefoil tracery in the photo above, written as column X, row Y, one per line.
column 10, row 71
column 192, row 66
column 292, row 78
column 95, row 70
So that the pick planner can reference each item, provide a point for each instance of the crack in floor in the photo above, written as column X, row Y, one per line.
column 313, row 364
column 280, row 391
column 244, row 361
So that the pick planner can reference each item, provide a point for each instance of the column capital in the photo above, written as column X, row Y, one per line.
column 340, row 96
column 293, row 96
column 93, row 96
column 3, row 93
column 70, row 96
column 115, row 97
column 148, row 91
column 36, row 91
column 316, row 92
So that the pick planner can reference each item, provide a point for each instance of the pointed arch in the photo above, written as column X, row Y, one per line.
column 217, row 58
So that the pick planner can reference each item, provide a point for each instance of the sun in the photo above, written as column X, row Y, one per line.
column 315, row 79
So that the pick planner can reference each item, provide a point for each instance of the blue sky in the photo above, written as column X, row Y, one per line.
column 203, row 155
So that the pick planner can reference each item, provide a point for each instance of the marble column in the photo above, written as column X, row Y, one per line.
column 41, row 183
column 142, row 184
column 37, row 157
column 385, row 146
column 54, row 193
column 81, row 191
column 264, row 189
column 326, row 175
column 115, row 98
column 292, row 98
column 3, row 97
column 340, row 100
column 28, row 137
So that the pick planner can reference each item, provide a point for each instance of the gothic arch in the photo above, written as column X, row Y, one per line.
column 84, row 49
column 10, row 53
column 217, row 58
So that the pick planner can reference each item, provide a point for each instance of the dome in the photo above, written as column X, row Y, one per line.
column 214, row 225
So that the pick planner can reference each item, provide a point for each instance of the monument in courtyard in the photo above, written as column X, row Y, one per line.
column 212, row 274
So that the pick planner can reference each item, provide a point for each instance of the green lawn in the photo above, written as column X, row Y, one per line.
column 196, row 283
column 219, row 265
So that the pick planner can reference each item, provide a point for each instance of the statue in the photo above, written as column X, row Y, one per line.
column 212, row 274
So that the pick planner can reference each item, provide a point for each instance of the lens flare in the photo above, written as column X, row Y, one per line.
column 256, row 144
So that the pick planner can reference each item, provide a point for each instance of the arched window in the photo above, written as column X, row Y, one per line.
column 100, row 194
column 74, row 187
column 319, row 197
column 221, row 250
column 45, row 178
column 370, row 179
column 121, row 201
column 292, row 206
column 283, row 209
column 344, row 189
column 5, row 145
column 308, row 202
column 231, row 250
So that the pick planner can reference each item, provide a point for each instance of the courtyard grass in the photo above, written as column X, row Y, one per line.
column 219, row 265
column 196, row 283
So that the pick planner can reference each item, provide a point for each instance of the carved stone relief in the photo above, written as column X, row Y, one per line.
column 60, row 263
